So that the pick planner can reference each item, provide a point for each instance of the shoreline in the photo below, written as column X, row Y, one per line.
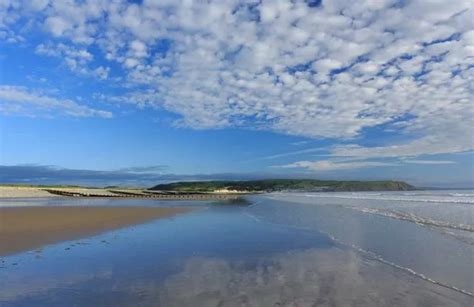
column 29, row 228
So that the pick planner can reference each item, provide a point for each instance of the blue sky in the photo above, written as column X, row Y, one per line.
column 237, row 89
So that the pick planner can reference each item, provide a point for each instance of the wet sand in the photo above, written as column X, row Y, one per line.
column 27, row 228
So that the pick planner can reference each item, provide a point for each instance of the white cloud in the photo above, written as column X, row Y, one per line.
column 77, row 59
column 62, row 50
column 272, row 65
column 429, row 161
column 37, row 5
column 131, row 62
column 19, row 100
column 102, row 72
column 138, row 48
column 294, row 153
column 57, row 25
column 299, row 143
column 337, row 164
column 328, row 165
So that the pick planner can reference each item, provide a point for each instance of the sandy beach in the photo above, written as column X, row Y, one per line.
column 285, row 249
column 38, row 192
column 28, row 228
column 23, row 192
column 12, row 192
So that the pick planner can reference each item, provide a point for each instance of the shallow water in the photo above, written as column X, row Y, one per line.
column 286, row 249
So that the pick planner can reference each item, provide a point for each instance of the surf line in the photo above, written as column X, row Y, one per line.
column 379, row 258
column 412, row 218
column 408, row 217
column 421, row 200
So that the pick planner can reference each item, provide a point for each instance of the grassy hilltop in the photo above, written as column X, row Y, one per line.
column 272, row 185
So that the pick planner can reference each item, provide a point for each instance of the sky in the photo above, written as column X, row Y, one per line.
column 116, row 91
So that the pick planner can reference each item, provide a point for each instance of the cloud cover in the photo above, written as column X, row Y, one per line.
column 18, row 99
column 321, row 70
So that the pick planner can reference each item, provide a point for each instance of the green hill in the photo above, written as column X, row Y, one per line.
column 272, row 185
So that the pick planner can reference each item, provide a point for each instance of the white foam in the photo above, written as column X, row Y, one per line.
column 379, row 258
column 410, row 217
column 404, row 198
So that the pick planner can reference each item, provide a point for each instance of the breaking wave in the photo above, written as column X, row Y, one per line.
column 461, row 195
column 379, row 258
column 368, row 254
column 410, row 217
column 457, row 199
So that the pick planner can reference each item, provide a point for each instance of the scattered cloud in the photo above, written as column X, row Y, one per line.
column 76, row 59
column 20, row 100
column 329, row 70
column 154, row 169
column 9, row 15
column 337, row 164
column 300, row 143
column 328, row 165
column 293, row 153
column 429, row 161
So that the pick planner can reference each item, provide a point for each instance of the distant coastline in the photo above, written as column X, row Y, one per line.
column 203, row 190
column 10, row 192
column 274, row 185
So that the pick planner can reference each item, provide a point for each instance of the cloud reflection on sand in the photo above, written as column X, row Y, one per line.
column 332, row 277
column 312, row 277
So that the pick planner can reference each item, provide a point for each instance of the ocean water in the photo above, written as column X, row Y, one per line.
column 429, row 232
column 285, row 249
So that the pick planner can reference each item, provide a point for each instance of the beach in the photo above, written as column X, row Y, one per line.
column 26, row 228
column 281, row 249
column 20, row 192
column 42, row 192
